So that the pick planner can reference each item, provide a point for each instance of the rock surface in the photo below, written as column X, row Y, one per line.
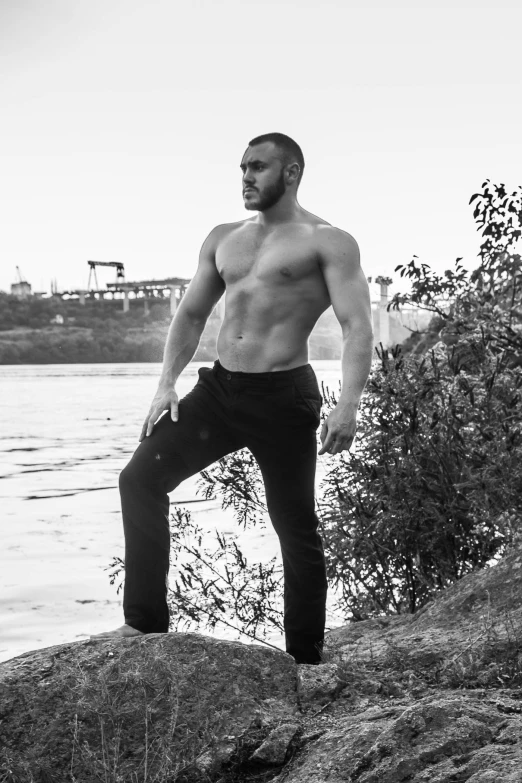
column 446, row 738
column 274, row 748
column 318, row 684
column 435, row 697
column 482, row 605
column 91, row 707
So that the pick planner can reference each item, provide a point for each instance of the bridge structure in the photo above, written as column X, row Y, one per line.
column 393, row 327
column 148, row 291
column 173, row 287
column 145, row 290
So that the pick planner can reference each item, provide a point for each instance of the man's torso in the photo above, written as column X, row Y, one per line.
column 275, row 292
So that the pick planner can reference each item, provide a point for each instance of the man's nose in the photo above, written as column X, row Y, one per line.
column 248, row 178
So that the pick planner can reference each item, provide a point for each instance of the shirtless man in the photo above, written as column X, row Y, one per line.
column 279, row 270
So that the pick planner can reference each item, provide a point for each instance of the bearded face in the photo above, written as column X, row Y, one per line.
column 262, row 196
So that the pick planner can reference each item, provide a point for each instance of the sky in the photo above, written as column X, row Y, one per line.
column 124, row 123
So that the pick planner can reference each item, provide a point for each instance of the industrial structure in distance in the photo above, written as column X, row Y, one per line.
column 387, row 327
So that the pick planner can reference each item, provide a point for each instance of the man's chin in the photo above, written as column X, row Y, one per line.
column 251, row 205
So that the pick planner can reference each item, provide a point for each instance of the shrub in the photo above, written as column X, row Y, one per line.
column 434, row 487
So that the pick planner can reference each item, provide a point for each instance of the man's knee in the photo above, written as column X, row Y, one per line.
column 152, row 472
column 136, row 475
column 129, row 478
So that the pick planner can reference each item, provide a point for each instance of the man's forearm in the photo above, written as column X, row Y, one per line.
column 182, row 342
column 356, row 364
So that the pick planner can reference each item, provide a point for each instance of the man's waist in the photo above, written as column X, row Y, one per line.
column 271, row 377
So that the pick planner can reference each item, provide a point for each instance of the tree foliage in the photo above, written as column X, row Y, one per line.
column 98, row 331
column 211, row 586
column 433, row 489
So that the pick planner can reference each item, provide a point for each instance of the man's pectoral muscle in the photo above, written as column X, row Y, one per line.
column 275, row 294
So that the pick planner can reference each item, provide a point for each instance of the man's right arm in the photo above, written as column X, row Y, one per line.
column 203, row 293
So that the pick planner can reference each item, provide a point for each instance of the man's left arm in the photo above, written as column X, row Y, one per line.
column 350, row 298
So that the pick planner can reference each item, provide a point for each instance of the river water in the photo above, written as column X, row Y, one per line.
column 66, row 431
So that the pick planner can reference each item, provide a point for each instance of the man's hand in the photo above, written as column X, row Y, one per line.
column 165, row 399
column 338, row 431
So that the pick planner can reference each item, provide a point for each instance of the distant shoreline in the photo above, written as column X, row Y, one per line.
column 106, row 344
column 86, row 345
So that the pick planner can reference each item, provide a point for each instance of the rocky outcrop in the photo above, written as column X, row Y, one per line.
column 432, row 697
column 478, row 618
column 443, row 738
column 162, row 707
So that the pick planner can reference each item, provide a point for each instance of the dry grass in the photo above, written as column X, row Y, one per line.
column 490, row 657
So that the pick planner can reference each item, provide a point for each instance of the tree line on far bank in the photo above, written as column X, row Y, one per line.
column 55, row 331
column 98, row 331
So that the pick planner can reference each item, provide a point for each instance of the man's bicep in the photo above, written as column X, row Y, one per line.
column 207, row 286
column 345, row 280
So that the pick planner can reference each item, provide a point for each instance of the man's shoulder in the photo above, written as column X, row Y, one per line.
column 325, row 232
column 224, row 229
column 328, row 233
column 334, row 245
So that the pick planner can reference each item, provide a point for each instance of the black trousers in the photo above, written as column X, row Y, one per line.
column 275, row 415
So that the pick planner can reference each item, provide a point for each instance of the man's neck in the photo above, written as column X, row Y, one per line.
column 282, row 212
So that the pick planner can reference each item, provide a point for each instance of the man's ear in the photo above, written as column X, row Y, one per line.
column 292, row 173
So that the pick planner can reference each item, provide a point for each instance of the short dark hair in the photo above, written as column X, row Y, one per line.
column 292, row 152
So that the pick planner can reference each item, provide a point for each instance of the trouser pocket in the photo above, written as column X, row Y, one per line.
column 308, row 398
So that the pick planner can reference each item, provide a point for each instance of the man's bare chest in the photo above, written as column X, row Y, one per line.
column 271, row 259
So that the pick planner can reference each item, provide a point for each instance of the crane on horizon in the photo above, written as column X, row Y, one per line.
column 120, row 272
column 21, row 278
